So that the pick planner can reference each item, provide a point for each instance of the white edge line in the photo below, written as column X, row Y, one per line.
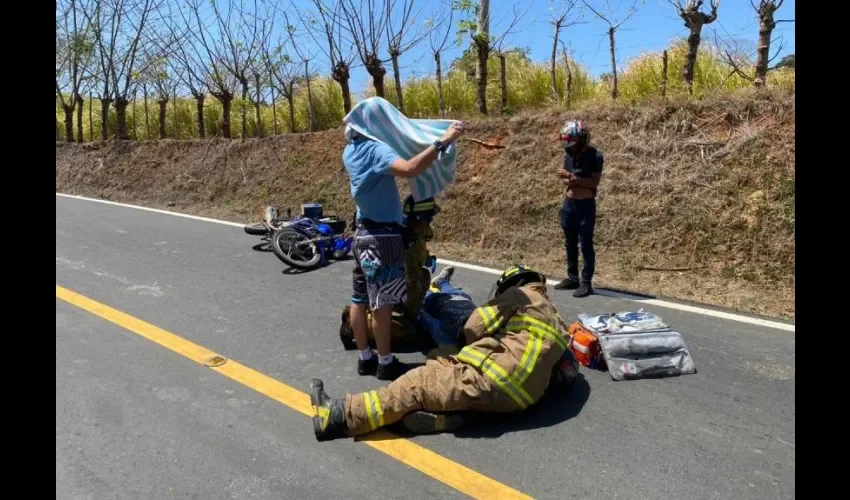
column 489, row 270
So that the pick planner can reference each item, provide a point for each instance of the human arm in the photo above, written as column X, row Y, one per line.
column 419, row 163
column 489, row 318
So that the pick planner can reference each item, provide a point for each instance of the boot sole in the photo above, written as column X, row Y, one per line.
column 421, row 422
column 316, row 388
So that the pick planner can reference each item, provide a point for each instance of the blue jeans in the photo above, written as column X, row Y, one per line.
column 444, row 313
column 578, row 220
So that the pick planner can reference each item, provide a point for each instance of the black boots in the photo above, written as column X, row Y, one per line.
column 424, row 422
column 567, row 284
column 581, row 289
column 328, row 413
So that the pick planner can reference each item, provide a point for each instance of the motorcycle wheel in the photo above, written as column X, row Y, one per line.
column 288, row 246
column 258, row 229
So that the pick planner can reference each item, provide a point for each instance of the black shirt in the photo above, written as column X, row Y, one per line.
column 588, row 162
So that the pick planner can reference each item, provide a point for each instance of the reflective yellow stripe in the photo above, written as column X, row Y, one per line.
column 536, row 328
column 529, row 359
column 367, row 402
column 497, row 374
column 511, row 271
column 434, row 289
column 377, row 408
column 489, row 316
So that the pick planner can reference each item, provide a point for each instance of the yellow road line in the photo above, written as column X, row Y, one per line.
column 422, row 459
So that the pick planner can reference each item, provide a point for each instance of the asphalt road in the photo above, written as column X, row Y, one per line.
column 135, row 420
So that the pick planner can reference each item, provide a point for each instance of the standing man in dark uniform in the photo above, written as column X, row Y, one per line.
column 581, row 173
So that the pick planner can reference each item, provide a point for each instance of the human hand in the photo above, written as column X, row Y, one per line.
column 452, row 134
column 563, row 174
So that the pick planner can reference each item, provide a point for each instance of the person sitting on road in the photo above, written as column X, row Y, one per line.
column 515, row 344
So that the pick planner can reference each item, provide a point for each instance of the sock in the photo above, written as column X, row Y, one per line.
column 366, row 354
column 385, row 360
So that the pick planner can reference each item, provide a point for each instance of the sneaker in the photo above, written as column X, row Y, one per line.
column 424, row 422
column 391, row 370
column 368, row 366
column 584, row 290
column 328, row 413
column 445, row 275
column 567, row 284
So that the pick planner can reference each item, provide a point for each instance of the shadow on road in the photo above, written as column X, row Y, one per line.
column 556, row 406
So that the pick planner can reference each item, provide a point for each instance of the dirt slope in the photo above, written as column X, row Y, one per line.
column 705, row 188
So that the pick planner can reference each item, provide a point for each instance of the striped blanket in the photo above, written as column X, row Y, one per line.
column 379, row 120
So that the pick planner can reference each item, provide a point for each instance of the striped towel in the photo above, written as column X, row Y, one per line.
column 380, row 121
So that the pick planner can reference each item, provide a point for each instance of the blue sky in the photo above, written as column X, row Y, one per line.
column 651, row 29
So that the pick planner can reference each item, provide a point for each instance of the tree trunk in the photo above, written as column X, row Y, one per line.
column 91, row 119
column 569, row 90
column 274, row 111
column 78, row 99
column 342, row 76
column 440, row 84
column 552, row 74
column 135, row 134
column 57, row 130
column 766, row 26
column 691, row 56
column 290, row 99
column 397, row 75
column 483, row 51
column 104, row 118
column 199, row 108
column 376, row 71
column 69, row 123
column 163, row 110
column 244, row 108
column 147, row 114
column 259, row 116
column 176, row 121
column 503, row 76
column 226, row 99
column 664, row 74
column 310, row 113
column 615, row 92
column 121, row 113
column 482, row 46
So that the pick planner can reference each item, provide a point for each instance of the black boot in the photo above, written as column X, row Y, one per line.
column 567, row 284
column 392, row 370
column 369, row 366
column 328, row 413
column 584, row 290
column 425, row 422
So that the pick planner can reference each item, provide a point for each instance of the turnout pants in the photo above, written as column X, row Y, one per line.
column 443, row 384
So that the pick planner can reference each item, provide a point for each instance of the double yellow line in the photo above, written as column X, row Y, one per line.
column 422, row 459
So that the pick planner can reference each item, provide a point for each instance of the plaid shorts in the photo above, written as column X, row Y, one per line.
column 379, row 277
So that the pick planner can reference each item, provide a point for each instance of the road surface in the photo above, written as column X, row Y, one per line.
column 137, row 420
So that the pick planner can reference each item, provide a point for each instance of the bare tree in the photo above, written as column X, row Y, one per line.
column 694, row 21
column 180, row 44
column 164, row 84
column 735, row 57
column 282, row 74
column 329, row 31
column 613, row 24
column 119, row 26
column 560, row 21
column 366, row 24
column 765, row 10
column 402, row 35
column 305, row 55
column 497, row 44
column 74, row 53
column 438, row 40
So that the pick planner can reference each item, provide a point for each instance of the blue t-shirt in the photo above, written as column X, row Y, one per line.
column 372, row 186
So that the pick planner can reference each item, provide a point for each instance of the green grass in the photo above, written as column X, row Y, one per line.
column 529, row 87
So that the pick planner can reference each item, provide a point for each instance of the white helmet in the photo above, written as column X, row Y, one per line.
column 574, row 132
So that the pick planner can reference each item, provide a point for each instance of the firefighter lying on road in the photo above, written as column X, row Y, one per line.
column 515, row 344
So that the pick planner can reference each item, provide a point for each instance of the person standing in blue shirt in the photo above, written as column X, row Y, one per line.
column 379, row 273
column 581, row 174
